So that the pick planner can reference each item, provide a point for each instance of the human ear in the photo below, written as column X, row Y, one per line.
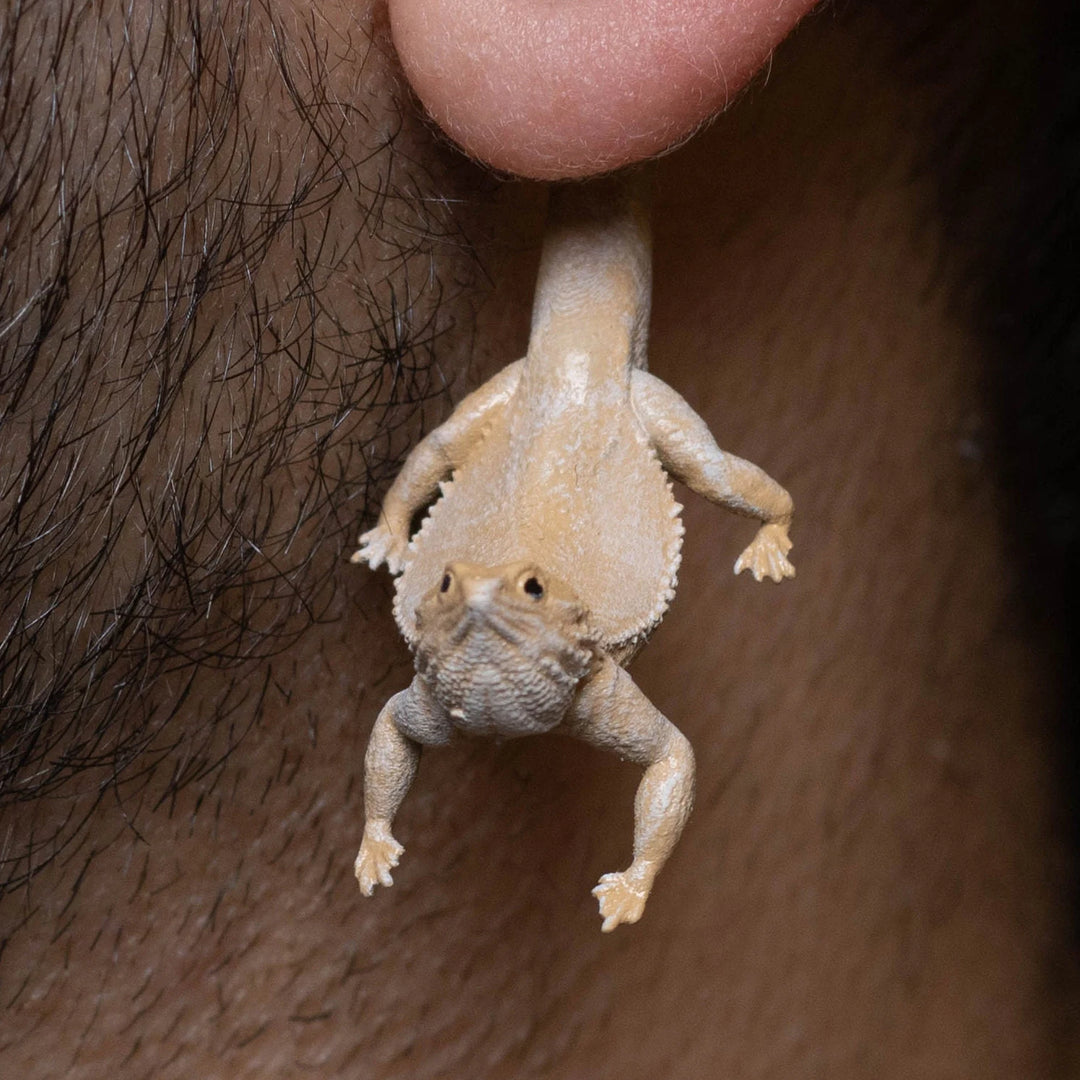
column 568, row 88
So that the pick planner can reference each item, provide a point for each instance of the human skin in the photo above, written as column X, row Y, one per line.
column 553, row 90
column 872, row 883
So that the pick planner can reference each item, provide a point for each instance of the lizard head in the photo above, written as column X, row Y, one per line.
column 511, row 625
column 518, row 604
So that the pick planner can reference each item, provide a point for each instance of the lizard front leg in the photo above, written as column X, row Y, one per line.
column 689, row 453
column 389, row 769
column 430, row 462
column 409, row 720
column 612, row 713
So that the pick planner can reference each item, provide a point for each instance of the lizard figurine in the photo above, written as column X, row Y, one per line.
column 552, row 549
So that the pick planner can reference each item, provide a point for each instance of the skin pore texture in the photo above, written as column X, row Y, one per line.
column 855, row 287
column 549, row 89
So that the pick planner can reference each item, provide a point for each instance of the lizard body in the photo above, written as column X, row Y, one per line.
column 553, row 547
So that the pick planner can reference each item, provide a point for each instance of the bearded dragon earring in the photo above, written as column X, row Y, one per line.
column 553, row 549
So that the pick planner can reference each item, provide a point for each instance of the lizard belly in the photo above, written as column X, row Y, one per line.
column 584, row 496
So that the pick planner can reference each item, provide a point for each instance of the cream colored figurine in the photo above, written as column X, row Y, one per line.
column 552, row 551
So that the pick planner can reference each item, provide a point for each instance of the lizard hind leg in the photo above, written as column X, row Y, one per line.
column 613, row 714
column 389, row 769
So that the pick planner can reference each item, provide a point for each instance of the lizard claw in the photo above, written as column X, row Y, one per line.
column 383, row 544
column 379, row 854
column 767, row 554
column 622, row 898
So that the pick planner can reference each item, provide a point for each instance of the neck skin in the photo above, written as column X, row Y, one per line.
column 869, row 883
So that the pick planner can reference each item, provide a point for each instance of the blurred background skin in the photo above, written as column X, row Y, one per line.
column 860, row 284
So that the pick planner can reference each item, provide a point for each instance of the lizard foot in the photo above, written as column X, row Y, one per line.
column 379, row 854
column 383, row 544
column 622, row 898
column 767, row 554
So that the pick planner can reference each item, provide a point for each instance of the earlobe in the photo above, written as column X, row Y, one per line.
column 576, row 87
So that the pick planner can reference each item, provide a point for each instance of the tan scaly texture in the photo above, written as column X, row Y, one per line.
column 553, row 548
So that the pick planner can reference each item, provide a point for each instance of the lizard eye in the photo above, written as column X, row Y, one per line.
column 533, row 587
column 445, row 586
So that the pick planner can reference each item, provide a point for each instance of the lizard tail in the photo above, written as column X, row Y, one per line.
column 598, row 240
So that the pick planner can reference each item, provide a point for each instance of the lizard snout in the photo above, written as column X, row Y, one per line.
column 468, row 583
column 479, row 587
column 480, row 591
